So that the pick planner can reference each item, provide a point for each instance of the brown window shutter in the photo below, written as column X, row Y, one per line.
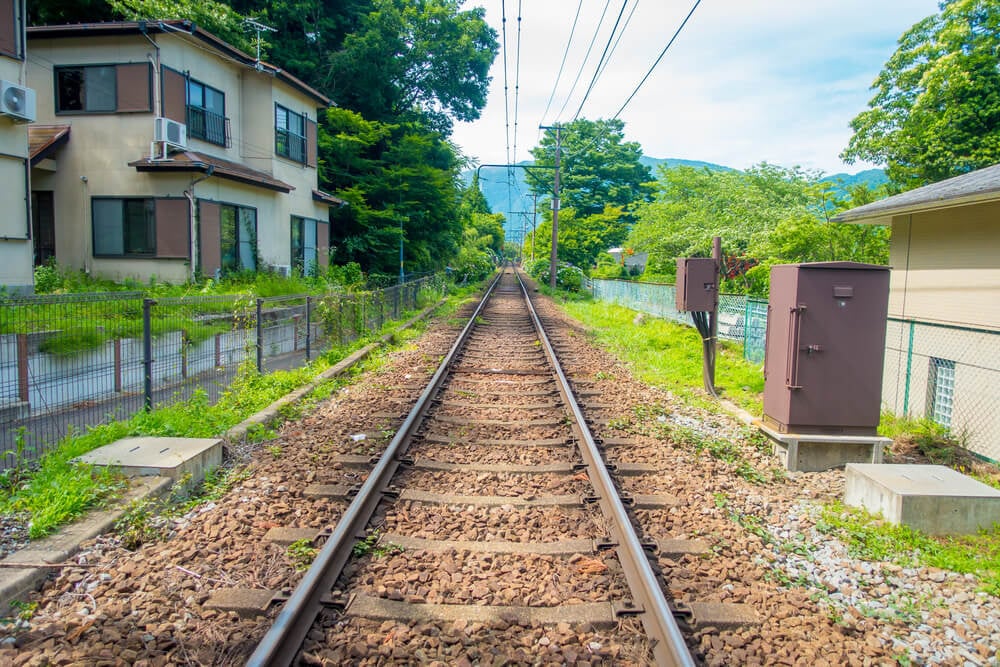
column 133, row 87
column 8, row 29
column 172, row 226
column 310, row 143
column 209, row 223
column 323, row 243
column 174, row 95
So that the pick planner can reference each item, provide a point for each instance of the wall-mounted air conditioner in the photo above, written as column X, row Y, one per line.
column 16, row 101
column 283, row 270
column 170, row 132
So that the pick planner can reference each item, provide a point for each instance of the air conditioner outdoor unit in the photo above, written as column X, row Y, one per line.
column 283, row 270
column 170, row 132
column 16, row 101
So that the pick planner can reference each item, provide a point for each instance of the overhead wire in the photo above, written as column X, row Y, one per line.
column 621, row 33
column 659, row 58
column 562, row 64
column 601, row 61
column 506, row 98
column 586, row 57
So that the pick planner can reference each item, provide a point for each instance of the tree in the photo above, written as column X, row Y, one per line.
column 936, row 110
column 422, row 58
column 767, row 214
column 597, row 167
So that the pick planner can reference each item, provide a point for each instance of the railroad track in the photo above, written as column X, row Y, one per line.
column 490, row 525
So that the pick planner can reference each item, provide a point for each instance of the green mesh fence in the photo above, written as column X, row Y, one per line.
column 948, row 374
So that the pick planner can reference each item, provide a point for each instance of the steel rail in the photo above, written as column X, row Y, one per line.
column 669, row 647
column 284, row 639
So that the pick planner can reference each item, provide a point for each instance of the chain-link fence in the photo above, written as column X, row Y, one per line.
column 72, row 361
column 948, row 374
column 742, row 319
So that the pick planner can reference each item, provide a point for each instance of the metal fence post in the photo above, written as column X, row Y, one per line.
column 308, row 327
column 260, row 336
column 909, row 368
column 22, row 368
column 147, row 353
column 746, row 325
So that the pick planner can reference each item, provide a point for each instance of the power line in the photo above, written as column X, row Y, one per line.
column 658, row 58
column 569, row 42
column 517, row 77
column 506, row 98
column 621, row 33
column 585, row 57
column 601, row 61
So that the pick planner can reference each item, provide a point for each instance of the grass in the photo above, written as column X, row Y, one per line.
column 669, row 355
column 58, row 490
column 869, row 537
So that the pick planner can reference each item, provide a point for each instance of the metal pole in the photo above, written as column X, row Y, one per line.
column 308, row 328
column 260, row 337
column 147, row 353
column 555, row 214
column 714, row 315
column 401, row 274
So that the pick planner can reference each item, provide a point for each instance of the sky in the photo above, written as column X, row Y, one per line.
column 745, row 81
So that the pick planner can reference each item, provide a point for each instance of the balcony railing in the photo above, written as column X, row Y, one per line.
column 290, row 145
column 208, row 126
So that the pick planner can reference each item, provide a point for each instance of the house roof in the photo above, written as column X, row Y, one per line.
column 209, row 164
column 176, row 27
column 327, row 198
column 982, row 185
column 44, row 140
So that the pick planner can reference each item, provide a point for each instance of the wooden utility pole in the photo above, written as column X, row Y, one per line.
column 553, row 262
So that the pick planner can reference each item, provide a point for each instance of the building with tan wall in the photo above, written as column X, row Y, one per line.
column 163, row 151
column 943, row 336
column 16, row 110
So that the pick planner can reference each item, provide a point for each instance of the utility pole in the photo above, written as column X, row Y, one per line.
column 555, row 206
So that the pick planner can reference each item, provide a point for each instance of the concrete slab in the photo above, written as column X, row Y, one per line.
column 812, row 452
column 933, row 499
column 165, row 457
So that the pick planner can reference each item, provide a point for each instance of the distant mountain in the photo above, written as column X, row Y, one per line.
column 517, row 203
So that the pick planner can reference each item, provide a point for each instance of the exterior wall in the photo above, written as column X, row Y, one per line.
column 95, row 161
column 946, row 266
column 944, row 304
column 16, row 255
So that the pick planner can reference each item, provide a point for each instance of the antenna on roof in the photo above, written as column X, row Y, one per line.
column 250, row 23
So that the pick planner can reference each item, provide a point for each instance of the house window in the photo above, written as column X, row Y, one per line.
column 304, row 257
column 941, row 390
column 124, row 227
column 206, row 113
column 289, row 134
column 89, row 89
column 239, row 238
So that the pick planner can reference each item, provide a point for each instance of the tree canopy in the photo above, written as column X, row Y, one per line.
column 597, row 167
column 936, row 109
column 765, row 215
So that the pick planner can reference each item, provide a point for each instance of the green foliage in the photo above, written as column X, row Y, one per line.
column 668, row 355
column 427, row 60
column 768, row 213
column 871, row 538
column 136, row 526
column 216, row 17
column 597, row 168
column 936, row 109
column 370, row 545
column 301, row 554
column 568, row 277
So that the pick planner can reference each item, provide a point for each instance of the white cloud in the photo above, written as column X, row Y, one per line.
column 746, row 81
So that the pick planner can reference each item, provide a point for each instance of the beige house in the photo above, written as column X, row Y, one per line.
column 16, row 110
column 943, row 339
column 161, row 150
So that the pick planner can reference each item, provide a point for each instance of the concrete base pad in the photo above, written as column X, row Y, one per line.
column 167, row 457
column 933, row 499
column 811, row 452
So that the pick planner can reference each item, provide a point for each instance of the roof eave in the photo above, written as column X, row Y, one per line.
column 885, row 216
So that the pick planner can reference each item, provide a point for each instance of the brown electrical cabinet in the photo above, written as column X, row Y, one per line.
column 825, row 347
column 697, row 286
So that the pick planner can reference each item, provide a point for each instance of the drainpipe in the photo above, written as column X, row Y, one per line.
column 155, row 60
column 193, row 216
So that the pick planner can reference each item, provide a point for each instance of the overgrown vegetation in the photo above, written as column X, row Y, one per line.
column 58, row 490
column 871, row 538
column 668, row 355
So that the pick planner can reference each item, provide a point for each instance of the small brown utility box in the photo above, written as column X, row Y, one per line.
column 697, row 286
column 825, row 347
